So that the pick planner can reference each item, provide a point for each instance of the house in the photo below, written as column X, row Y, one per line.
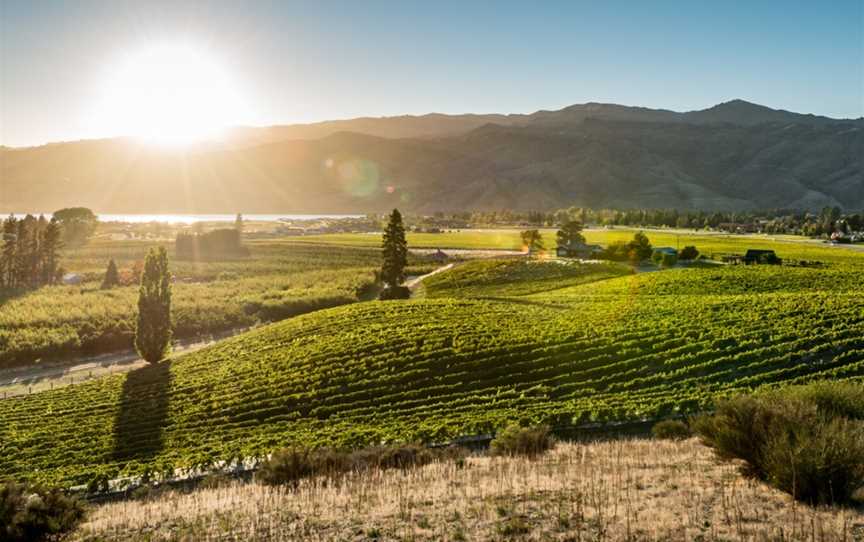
column 579, row 250
column 72, row 278
column 734, row 227
column 755, row 256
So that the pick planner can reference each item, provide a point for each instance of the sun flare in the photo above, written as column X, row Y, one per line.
column 168, row 94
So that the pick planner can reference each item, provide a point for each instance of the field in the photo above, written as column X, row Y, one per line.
column 279, row 279
column 708, row 243
column 620, row 490
column 630, row 347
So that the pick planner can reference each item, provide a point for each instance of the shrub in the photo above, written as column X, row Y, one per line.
column 515, row 440
column 818, row 462
column 843, row 399
column 287, row 466
column 616, row 251
column 807, row 441
column 404, row 457
column 671, row 430
column 32, row 513
column 669, row 260
column 689, row 253
column 290, row 465
column 395, row 292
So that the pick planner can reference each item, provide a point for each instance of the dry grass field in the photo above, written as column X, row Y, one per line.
column 618, row 490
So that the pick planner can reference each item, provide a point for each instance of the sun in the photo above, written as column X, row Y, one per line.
column 168, row 94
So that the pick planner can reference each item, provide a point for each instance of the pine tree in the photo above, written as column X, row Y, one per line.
column 112, row 276
column 19, row 264
column 48, row 249
column 395, row 251
column 7, row 255
column 153, row 330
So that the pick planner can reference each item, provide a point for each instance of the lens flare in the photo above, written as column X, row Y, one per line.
column 359, row 177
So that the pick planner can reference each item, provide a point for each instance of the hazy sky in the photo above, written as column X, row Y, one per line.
column 316, row 60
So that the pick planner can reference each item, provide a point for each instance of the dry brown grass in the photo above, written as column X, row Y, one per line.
column 623, row 490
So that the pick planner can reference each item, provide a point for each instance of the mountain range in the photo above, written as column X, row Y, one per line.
column 733, row 156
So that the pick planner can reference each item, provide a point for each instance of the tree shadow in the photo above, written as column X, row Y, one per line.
column 143, row 412
column 9, row 295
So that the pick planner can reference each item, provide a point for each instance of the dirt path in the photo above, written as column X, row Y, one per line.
column 415, row 282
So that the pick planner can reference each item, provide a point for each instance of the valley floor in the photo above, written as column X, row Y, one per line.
column 618, row 490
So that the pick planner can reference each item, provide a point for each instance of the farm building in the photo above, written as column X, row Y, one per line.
column 579, row 250
column 72, row 279
column 730, row 227
column 439, row 256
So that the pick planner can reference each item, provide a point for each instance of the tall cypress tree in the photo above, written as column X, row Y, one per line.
column 395, row 251
column 153, row 330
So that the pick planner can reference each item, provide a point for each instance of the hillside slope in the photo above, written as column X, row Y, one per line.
column 732, row 156
column 622, row 348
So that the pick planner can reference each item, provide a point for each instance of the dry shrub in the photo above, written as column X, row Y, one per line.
column 515, row 440
column 807, row 441
column 290, row 465
column 671, row 430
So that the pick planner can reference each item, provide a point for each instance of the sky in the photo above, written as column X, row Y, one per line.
column 291, row 62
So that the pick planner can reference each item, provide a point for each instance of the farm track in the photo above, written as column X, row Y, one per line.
column 25, row 380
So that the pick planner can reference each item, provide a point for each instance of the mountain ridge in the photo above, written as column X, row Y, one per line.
column 734, row 155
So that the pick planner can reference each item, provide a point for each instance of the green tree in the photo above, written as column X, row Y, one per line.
column 570, row 234
column 640, row 248
column 78, row 223
column 532, row 240
column 395, row 251
column 689, row 253
column 153, row 329
column 112, row 276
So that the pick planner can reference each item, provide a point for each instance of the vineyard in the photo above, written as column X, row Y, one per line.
column 280, row 279
column 518, row 277
column 627, row 347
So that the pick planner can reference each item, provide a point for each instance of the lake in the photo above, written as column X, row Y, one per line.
column 191, row 219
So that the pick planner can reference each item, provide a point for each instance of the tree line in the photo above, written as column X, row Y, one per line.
column 787, row 221
column 29, row 255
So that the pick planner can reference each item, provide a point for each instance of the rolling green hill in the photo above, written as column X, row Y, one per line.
column 630, row 347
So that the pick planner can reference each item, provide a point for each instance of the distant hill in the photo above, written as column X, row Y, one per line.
column 735, row 155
